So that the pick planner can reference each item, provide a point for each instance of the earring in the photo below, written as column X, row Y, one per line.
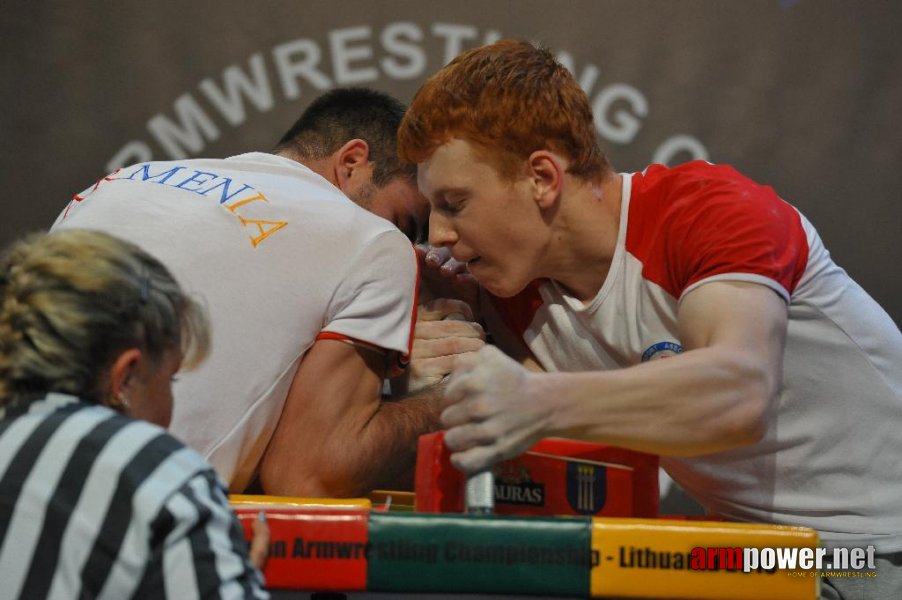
column 118, row 401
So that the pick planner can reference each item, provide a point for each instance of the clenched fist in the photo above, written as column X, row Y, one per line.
column 493, row 410
column 445, row 330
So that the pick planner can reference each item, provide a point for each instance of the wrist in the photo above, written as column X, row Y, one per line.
column 544, row 394
column 564, row 414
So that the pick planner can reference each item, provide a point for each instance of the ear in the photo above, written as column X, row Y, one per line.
column 546, row 174
column 350, row 162
column 123, row 369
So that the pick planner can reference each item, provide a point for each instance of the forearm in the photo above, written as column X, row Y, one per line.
column 704, row 400
column 716, row 395
column 391, row 436
column 379, row 452
column 336, row 437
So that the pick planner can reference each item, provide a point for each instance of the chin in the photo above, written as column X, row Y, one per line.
column 498, row 282
column 501, row 289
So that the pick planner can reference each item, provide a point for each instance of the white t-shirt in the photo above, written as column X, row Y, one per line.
column 281, row 258
column 831, row 457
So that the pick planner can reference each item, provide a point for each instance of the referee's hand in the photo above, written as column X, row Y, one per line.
column 259, row 551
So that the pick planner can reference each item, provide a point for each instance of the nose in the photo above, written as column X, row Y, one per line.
column 441, row 231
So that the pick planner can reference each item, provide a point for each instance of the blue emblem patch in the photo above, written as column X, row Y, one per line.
column 661, row 350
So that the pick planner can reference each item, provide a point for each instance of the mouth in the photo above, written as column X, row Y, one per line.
column 464, row 257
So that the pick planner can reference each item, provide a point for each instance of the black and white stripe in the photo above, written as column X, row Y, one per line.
column 94, row 504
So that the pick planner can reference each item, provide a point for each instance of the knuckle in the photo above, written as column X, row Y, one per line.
column 451, row 437
column 474, row 344
column 481, row 408
column 455, row 346
column 426, row 367
column 484, row 434
column 420, row 348
column 448, row 419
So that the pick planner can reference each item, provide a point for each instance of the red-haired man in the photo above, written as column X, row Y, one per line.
column 780, row 399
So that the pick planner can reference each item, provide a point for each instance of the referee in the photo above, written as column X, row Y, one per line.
column 96, row 499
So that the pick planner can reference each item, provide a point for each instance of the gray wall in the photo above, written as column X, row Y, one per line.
column 805, row 95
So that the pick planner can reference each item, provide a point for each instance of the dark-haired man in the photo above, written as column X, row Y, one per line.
column 311, row 298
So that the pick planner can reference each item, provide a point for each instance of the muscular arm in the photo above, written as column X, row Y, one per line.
column 336, row 437
column 714, row 396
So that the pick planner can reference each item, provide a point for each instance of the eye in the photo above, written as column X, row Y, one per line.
column 455, row 205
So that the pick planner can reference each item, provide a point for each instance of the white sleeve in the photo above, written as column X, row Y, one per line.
column 375, row 303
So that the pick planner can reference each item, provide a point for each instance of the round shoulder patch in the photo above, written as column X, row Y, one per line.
column 661, row 350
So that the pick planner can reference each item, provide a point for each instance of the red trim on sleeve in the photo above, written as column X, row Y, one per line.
column 340, row 337
column 398, row 367
column 403, row 359
column 698, row 220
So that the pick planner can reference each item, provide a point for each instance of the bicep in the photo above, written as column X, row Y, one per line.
column 335, row 392
column 745, row 321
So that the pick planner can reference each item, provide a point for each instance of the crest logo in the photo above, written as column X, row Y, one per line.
column 586, row 487
column 661, row 350
column 513, row 485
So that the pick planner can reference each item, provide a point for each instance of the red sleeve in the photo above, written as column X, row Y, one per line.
column 517, row 312
column 698, row 222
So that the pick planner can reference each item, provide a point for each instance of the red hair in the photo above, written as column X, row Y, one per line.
column 511, row 99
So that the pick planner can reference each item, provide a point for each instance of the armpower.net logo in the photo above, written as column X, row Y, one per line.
column 800, row 562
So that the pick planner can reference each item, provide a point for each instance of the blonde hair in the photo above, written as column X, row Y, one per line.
column 71, row 301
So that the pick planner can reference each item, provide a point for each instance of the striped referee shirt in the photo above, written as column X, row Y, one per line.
column 95, row 504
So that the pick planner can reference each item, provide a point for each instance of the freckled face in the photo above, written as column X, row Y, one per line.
column 491, row 223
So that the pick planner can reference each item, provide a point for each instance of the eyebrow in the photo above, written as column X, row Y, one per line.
column 442, row 191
